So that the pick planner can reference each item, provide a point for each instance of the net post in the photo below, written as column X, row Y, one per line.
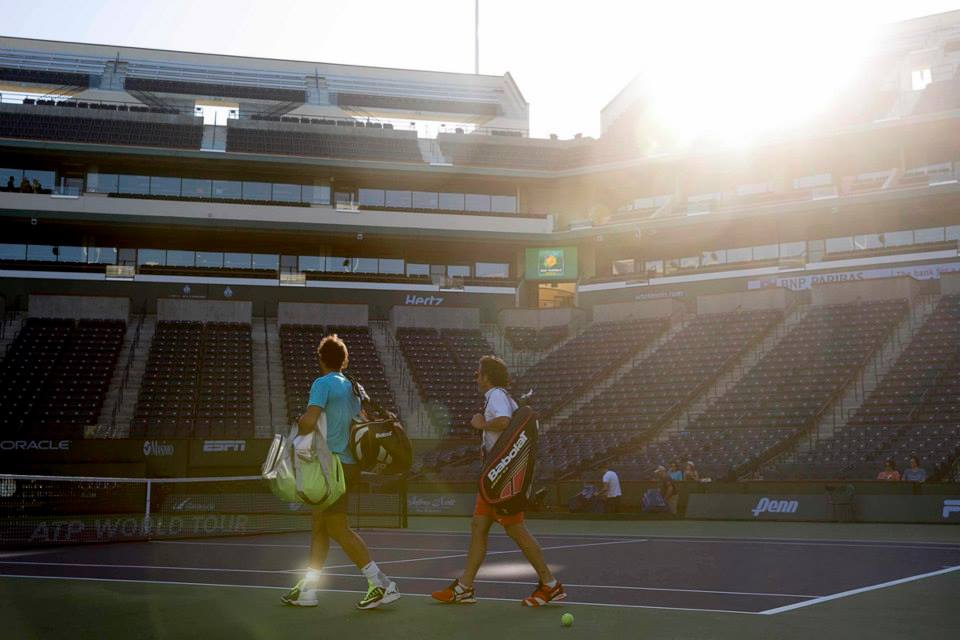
column 402, row 490
column 146, row 511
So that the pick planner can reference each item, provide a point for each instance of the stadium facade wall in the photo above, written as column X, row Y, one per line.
column 434, row 318
column 639, row 309
column 315, row 218
column 950, row 284
column 539, row 318
column 145, row 293
column 351, row 315
column 205, row 310
column 763, row 300
column 866, row 290
column 79, row 307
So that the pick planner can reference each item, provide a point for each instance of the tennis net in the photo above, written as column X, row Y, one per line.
column 44, row 510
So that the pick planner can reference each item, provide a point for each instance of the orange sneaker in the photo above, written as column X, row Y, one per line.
column 456, row 593
column 544, row 594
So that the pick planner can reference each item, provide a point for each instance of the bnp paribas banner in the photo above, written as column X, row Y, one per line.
column 802, row 282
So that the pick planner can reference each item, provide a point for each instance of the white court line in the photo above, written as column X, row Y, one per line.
column 853, row 592
column 591, row 586
column 684, row 538
column 143, row 566
column 417, row 595
column 305, row 545
column 358, row 575
column 496, row 553
column 865, row 545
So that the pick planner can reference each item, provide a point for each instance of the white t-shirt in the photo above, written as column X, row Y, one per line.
column 612, row 484
column 498, row 404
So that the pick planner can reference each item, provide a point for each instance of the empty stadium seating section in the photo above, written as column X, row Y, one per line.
column 914, row 410
column 567, row 372
column 55, row 376
column 64, row 127
column 299, row 344
column 443, row 364
column 533, row 339
column 198, row 382
column 379, row 145
column 656, row 389
column 780, row 397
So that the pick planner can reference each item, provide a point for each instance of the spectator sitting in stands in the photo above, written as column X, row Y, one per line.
column 667, row 489
column 889, row 471
column 11, row 187
column 915, row 473
column 25, row 186
column 585, row 501
column 674, row 471
column 690, row 472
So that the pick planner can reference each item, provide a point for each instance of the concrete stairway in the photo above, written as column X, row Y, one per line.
column 412, row 412
column 11, row 327
column 124, row 390
column 731, row 377
column 600, row 386
column 269, row 389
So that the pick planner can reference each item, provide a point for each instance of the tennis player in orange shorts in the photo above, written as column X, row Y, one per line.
column 492, row 378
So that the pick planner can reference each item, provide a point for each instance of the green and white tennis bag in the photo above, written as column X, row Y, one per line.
column 302, row 469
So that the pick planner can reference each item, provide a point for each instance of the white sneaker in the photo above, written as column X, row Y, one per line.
column 392, row 594
column 377, row 595
column 303, row 594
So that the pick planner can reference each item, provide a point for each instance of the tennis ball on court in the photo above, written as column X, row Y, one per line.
column 566, row 619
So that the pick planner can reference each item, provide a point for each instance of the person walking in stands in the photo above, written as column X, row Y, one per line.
column 37, row 187
column 11, row 187
column 889, row 471
column 332, row 394
column 690, row 473
column 492, row 379
column 914, row 473
column 25, row 186
column 611, row 491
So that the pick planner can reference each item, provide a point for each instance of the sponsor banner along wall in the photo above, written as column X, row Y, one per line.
column 757, row 507
column 160, row 457
column 803, row 282
column 943, row 509
column 441, row 504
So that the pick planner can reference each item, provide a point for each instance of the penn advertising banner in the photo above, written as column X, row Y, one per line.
column 944, row 509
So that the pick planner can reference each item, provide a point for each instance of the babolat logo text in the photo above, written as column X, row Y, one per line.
column 156, row 448
column 430, row 301
column 34, row 445
column 223, row 446
column 494, row 473
column 766, row 505
column 950, row 507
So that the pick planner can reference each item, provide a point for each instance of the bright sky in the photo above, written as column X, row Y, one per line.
column 569, row 58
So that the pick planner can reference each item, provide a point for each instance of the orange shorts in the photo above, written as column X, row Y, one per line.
column 481, row 508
